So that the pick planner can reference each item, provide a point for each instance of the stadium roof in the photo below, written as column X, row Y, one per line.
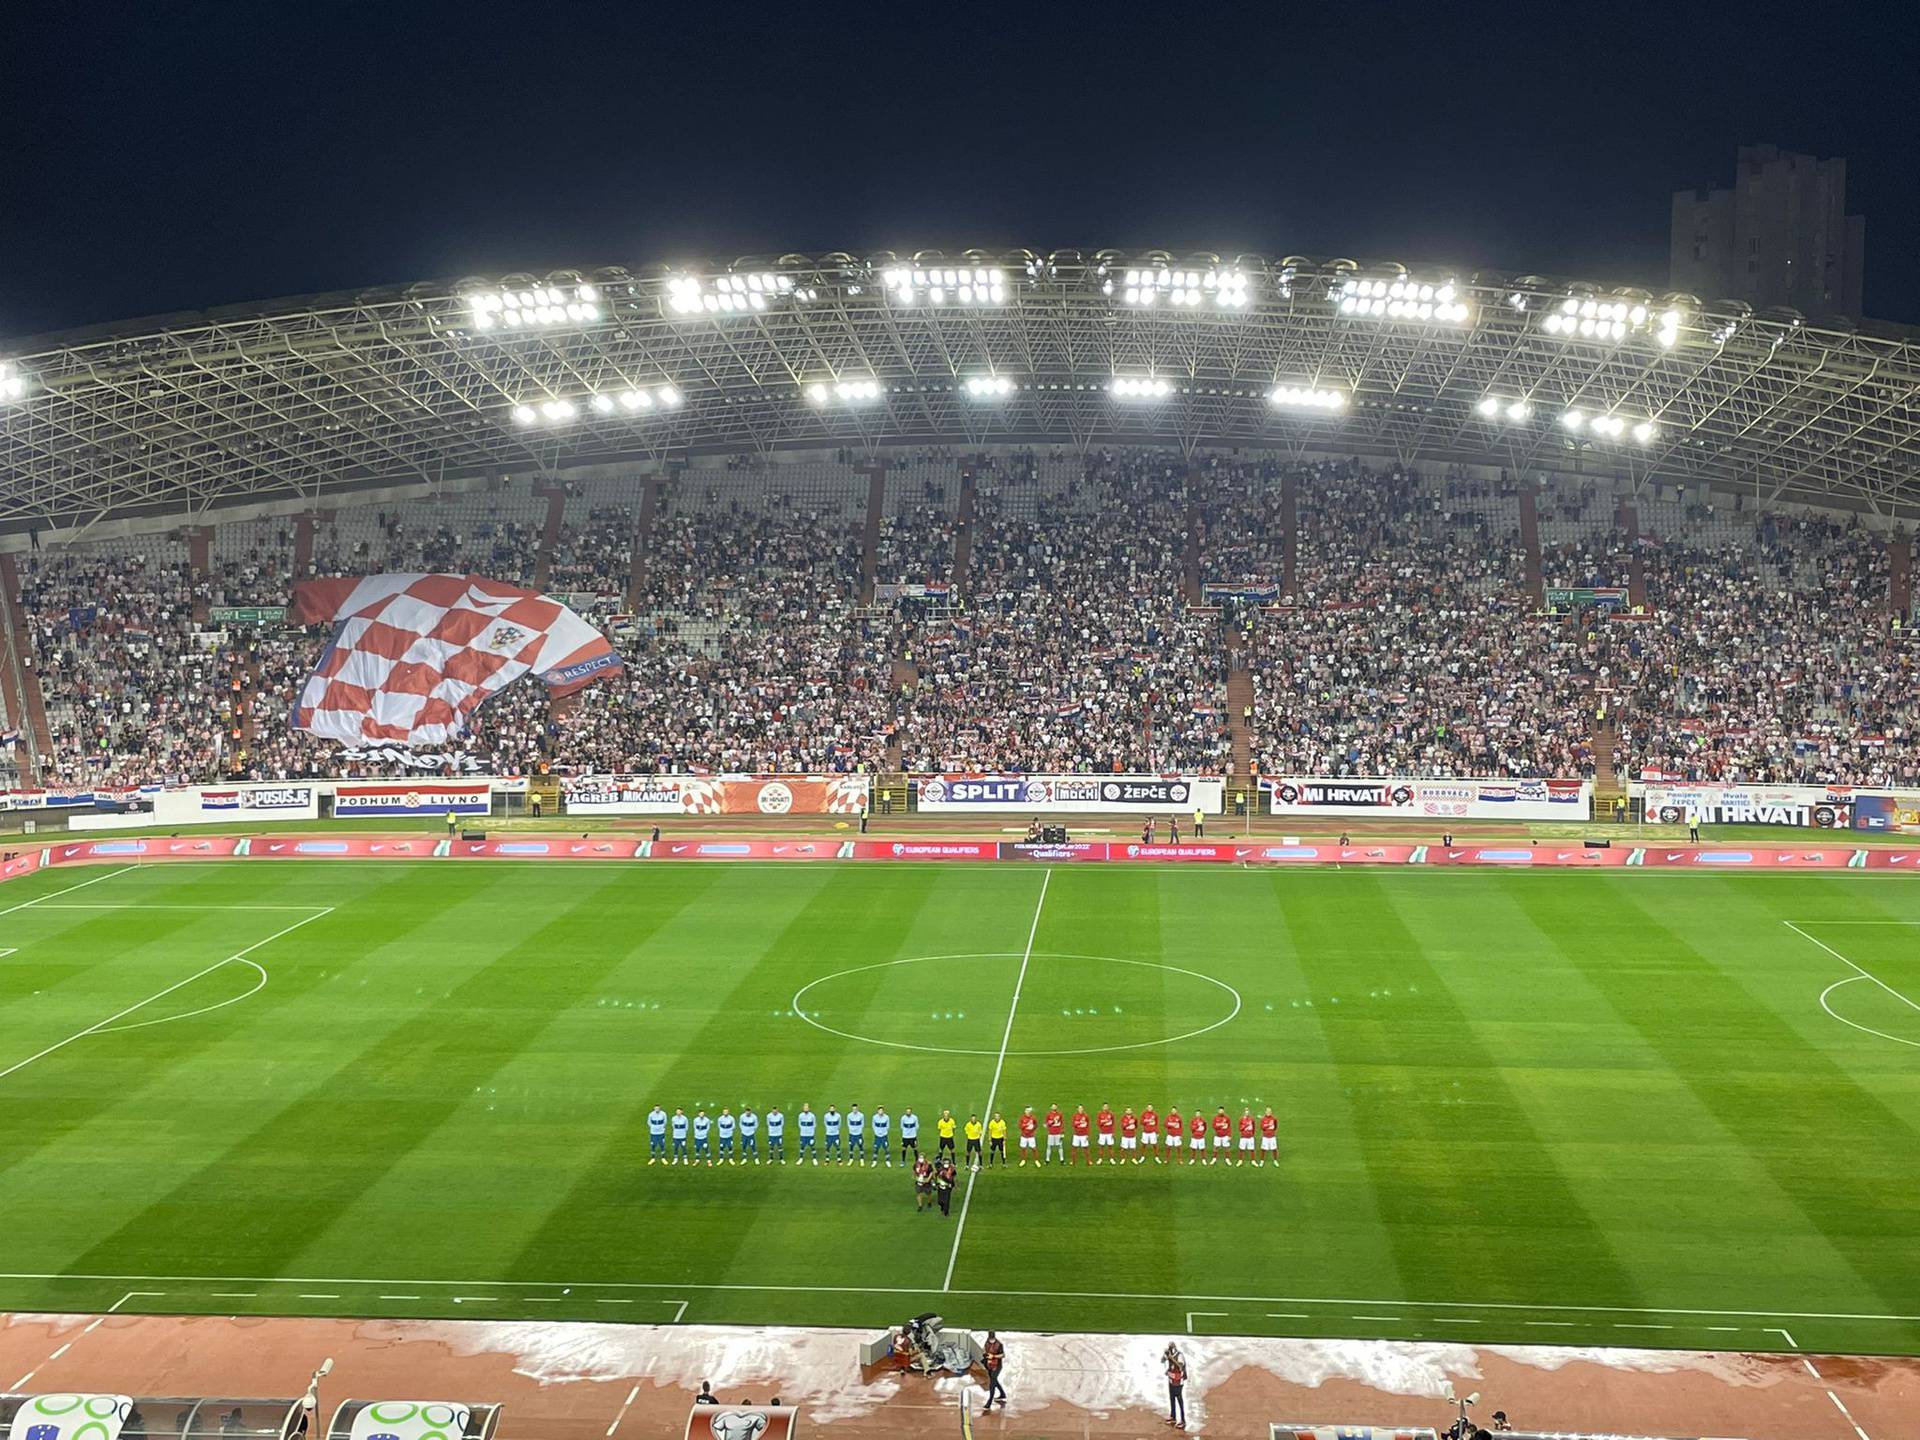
column 522, row 374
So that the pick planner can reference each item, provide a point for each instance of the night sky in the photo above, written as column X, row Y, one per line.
column 174, row 157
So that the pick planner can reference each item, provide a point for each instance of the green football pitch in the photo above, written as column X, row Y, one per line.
column 1669, row 1109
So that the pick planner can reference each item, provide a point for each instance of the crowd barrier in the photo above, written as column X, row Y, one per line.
column 1544, row 855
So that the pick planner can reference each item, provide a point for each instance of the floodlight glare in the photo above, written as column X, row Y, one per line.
column 971, row 285
column 1598, row 320
column 989, row 387
column 524, row 415
column 1573, row 419
column 1489, row 406
column 13, row 385
column 543, row 305
column 1401, row 299
column 1307, row 397
column 742, row 294
column 1645, row 431
column 1225, row 289
column 1137, row 387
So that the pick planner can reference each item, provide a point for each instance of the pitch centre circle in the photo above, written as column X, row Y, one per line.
column 964, row 1002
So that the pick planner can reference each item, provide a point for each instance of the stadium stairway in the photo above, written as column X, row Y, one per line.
column 1900, row 576
column 200, row 557
column 1290, row 529
column 302, row 547
column 642, row 529
column 963, row 533
column 876, row 474
column 556, row 499
column 24, row 699
column 1239, row 709
column 1530, row 539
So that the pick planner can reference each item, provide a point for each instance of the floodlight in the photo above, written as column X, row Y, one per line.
column 541, row 305
column 1573, row 419
column 524, row 415
column 989, row 387
column 1519, row 410
column 1307, row 397
column 603, row 404
column 1227, row 289
column 668, row 395
column 970, row 286
column 1134, row 387
column 1489, row 406
column 13, row 385
column 636, row 400
column 1645, row 431
column 1401, row 299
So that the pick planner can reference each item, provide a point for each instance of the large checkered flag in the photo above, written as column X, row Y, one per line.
column 415, row 655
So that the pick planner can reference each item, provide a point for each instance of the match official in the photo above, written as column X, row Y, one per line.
column 973, row 1142
column 943, row 1127
column 996, row 1140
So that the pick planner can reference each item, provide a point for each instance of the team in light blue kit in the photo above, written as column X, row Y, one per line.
column 731, row 1138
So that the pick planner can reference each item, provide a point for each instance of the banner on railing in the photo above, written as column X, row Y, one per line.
column 715, row 794
column 1586, row 597
column 409, row 797
column 1074, row 794
column 247, row 615
column 1431, row 799
column 1827, row 807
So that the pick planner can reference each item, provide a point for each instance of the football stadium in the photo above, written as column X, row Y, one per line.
column 1338, row 834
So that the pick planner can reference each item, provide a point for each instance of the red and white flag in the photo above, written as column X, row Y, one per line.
column 415, row 655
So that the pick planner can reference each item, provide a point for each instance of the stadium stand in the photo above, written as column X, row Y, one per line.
column 1109, row 610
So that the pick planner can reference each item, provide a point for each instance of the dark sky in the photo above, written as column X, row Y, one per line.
column 175, row 156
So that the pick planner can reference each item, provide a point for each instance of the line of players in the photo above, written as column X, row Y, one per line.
column 730, row 1139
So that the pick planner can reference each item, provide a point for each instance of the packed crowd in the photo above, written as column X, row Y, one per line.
column 1081, row 639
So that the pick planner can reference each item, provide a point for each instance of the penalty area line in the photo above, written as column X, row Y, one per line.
column 99, row 1026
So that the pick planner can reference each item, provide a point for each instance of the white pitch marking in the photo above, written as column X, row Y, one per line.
column 632, row 1395
column 1629, row 1325
column 679, row 1314
column 1859, row 970
column 30, row 904
column 235, row 1294
column 800, row 1011
column 156, row 905
column 319, row 1296
column 399, row 1297
column 1288, row 1315
column 1839, row 1405
column 1193, row 1315
column 1401, row 1318
column 100, row 1025
column 246, row 994
column 732, row 1286
column 1855, row 1024
column 613, row 1302
column 993, row 1090
column 61, row 1351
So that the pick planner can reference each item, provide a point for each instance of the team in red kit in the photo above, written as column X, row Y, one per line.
column 1137, row 1136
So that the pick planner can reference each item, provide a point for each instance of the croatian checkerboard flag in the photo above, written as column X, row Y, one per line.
column 415, row 655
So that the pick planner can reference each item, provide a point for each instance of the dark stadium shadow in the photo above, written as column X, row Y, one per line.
column 276, row 1190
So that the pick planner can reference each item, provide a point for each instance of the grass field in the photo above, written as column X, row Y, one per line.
column 1564, row 1107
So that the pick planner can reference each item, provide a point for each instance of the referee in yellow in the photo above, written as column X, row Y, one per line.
column 943, row 1127
column 996, row 1140
column 973, row 1142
